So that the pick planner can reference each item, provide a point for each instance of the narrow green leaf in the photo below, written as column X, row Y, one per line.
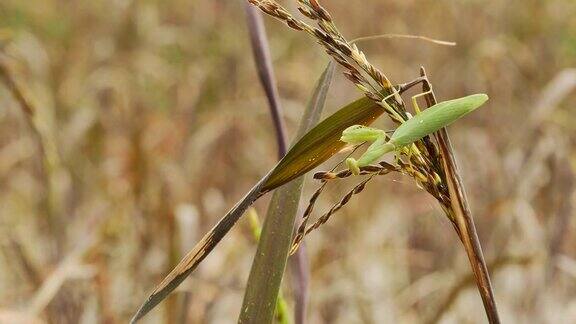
column 282, row 314
column 276, row 236
column 322, row 142
column 318, row 145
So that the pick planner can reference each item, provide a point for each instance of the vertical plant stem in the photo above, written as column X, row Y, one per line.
column 463, row 217
column 281, row 305
column 276, row 238
column 301, row 270
column 262, row 57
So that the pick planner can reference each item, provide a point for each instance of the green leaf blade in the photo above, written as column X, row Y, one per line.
column 322, row 142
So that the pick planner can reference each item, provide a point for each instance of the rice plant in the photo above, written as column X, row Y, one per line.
column 128, row 128
column 419, row 157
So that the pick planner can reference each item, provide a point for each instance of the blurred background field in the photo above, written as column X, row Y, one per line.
column 149, row 123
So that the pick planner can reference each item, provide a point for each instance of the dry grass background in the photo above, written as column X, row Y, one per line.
column 152, row 124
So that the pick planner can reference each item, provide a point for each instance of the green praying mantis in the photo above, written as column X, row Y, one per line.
column 424, row 123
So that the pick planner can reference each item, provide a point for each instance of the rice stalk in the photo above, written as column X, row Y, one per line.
column 437, row 174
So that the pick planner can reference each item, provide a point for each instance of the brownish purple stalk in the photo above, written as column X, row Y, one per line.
column 464, row 221
column 263, row 61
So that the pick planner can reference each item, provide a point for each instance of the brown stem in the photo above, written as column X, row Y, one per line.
column 463, row 216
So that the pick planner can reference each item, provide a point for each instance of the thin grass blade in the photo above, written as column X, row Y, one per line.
column 199, row 252
column 263, row 61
